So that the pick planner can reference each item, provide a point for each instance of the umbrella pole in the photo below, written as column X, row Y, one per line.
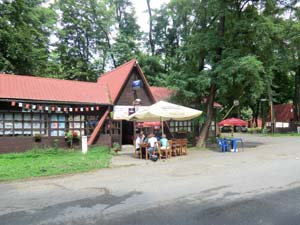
column 162, row 127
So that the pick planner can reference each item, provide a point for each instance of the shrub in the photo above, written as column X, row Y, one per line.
column 71, row 137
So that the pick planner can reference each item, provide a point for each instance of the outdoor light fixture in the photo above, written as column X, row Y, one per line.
column 137, row 101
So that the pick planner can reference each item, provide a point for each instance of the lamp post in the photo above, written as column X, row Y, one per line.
column 135, row 103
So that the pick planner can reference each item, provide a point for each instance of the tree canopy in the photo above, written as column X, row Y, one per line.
column 244, row 50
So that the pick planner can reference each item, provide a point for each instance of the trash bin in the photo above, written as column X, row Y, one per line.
column 298, row 129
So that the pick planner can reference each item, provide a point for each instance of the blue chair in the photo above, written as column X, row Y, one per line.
column 224, row 145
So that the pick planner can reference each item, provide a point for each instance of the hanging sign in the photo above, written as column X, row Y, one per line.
column 121, row 112
column 136, row 84
column 131, row 110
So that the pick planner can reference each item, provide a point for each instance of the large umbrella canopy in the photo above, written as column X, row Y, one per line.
column 232, row 122
column 163, row 111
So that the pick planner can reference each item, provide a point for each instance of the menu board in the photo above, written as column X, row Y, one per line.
column 121, row 112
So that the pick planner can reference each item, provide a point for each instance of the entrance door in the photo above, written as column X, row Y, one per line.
column 127, row 132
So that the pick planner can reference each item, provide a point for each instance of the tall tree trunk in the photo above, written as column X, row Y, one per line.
column 297, row 95
column 150, row 28
column 212, row 91
column 109, row 45
column 209, row 112
column 256, row 114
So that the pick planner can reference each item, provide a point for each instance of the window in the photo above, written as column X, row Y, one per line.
column 76, row 123
column 57, row 125
column 31, row 123
column 26, row 124
column 181, row 126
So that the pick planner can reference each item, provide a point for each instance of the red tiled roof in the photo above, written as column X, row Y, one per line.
column 161, row 93
column 283, row 113
column 116, row 78
column 49, row 89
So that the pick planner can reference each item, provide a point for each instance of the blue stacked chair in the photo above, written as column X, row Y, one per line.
column 223, row 144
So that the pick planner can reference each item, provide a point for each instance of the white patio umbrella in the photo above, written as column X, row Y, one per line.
column 164, row 111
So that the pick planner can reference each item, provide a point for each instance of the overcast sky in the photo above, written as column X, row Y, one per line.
column 141, row 11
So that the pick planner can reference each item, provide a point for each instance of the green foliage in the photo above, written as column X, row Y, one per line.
column 47, row 162
column 254, row 55
column 83, row 36
column 72, row 137
column 25, row 28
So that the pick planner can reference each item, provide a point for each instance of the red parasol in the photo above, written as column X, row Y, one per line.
column 232, row 122
column 148, row 124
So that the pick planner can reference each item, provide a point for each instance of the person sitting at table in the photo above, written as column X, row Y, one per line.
column 164, row 142
column 139, row 140
column 152, row 141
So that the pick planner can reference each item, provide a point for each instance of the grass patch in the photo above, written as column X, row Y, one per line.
column 46, row 162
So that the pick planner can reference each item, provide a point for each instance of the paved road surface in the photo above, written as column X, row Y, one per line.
column 257, row 186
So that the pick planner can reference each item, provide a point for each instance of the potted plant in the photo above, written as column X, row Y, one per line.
column 72, row 137
column 37, row 137
column 116, row 147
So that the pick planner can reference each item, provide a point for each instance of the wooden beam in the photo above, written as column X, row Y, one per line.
column 98, row 128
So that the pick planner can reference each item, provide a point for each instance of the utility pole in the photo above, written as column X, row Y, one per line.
column 271, row 109
column 235, row 103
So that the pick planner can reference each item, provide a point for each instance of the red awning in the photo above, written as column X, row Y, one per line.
column 148, row 124
column 232, row 122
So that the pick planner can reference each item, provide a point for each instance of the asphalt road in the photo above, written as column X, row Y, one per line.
column 260, row 185
column 279, row 208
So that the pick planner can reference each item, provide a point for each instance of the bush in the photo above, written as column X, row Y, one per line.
column 254, row 130
column 71, row 137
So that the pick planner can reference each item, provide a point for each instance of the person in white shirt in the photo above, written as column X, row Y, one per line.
column 152, row 141
column 139, row 139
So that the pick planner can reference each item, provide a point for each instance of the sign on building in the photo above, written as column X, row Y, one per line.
column 121, row 112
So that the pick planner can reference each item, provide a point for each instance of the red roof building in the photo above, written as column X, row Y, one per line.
column 161, row 93
column 283, row 113
column 38, row 89
column 50, row 107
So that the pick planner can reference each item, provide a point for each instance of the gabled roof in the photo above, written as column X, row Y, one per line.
column 161, row 93
column 106, row 91
column 115, row 79
column 49, row 89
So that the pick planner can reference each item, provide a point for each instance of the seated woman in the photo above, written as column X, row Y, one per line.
column 164, row 142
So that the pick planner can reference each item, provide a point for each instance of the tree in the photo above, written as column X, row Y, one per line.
column 126, row 44
column 25, row 28
column 220, row 48
column 83, row 43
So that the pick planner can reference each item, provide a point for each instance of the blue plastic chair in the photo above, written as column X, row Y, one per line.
column 224, row 145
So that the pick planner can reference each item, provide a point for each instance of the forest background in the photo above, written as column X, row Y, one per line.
column 218, row 50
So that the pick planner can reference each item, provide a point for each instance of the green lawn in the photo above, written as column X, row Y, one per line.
column 46, row 162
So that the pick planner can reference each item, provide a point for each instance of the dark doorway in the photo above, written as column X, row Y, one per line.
column 127, row 132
